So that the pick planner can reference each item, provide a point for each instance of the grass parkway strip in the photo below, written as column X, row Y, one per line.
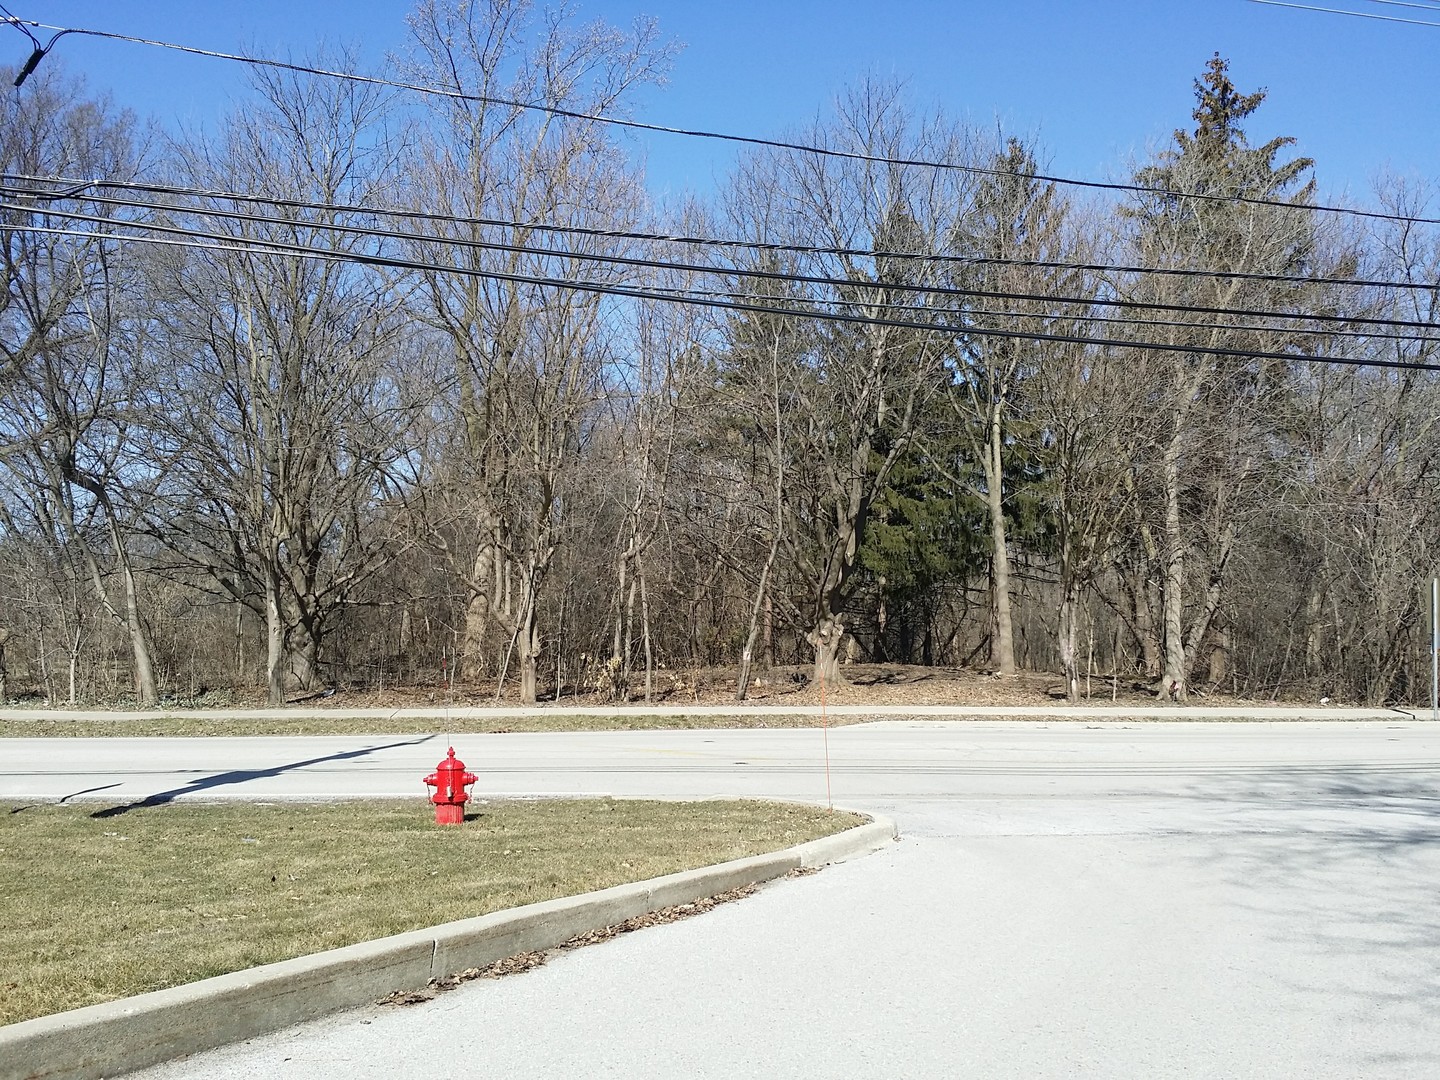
column 101, row 907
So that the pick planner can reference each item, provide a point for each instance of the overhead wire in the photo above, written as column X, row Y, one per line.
column 76, row 187
column 222, row 242
column 1405, row 4
column 788, row 277
column 1086, row 317
column 749, row 140
column 11, row 20
column 1345, row 11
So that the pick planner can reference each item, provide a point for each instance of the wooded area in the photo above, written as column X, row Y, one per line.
column 375, row 387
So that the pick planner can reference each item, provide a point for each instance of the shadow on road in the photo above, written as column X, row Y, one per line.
column 240, row 776
column 87, row 791
column 1339, row 868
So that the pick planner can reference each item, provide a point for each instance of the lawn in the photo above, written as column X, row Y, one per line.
column 96, row 908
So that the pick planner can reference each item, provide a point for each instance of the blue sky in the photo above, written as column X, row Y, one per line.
column 1098, row 82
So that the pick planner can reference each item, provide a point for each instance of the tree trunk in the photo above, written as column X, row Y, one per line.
column 134, row 628
column 145, row 690
column 240, row 644
column 1069, row 621
column 74, row 658
column 472, row 642
column 1219, row 656
column 1314, row 611
column 1002, row 642
column 1210, row 605
column 645, row 635
column 483, row 590
column 759, row 607
column 827, row 638
column 1069, row 616
column 528, row 691
column 767, row 638
column 1145, row 640
column 619, row 644
column 627, row 652
column 274, row 646
column 304, row 659
column 882, row 619
column 1173, row 675
column 529, row 646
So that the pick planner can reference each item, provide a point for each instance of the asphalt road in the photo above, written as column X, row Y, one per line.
column 1068, row 900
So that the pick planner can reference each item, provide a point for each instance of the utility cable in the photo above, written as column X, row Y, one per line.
column 75, row 189
column 1079, row 316
column 230, row 244
column 749, row 140
column 1343, row 11
column 1406, row 4
column 1128, row 303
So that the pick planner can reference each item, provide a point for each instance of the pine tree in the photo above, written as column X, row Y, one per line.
column 1212, row 414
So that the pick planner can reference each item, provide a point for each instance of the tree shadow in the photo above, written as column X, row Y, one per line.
column 241, row 776
column 881, row 675
column 1337, row 867
column 87, row 791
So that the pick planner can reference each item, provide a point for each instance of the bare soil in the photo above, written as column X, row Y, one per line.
column 865, row 684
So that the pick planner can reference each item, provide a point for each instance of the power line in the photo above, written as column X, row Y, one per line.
column 1405, row 4
column 749, row 140
column 13, row 21
column 76, row 188
column 1069, row 316
column 731, row 271
column 245, row 246
column 1343, row 11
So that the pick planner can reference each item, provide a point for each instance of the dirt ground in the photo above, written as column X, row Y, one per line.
column 866, row 684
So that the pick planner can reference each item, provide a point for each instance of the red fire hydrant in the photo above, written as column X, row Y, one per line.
column 449, row 781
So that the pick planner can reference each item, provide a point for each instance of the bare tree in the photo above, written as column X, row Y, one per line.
column 659, row 388
column 861, row 384
column 1015, row 233
column 69, row 389
column 287, row 408
column 529, row 360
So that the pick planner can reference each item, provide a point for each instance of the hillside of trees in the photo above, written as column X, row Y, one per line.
column 366, row 387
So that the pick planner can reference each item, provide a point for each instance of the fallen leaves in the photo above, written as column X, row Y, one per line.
column 522, row 962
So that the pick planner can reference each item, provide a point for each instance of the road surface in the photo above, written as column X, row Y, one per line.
column 1068, row 900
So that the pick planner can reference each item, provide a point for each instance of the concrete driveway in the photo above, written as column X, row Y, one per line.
column 1111, row 900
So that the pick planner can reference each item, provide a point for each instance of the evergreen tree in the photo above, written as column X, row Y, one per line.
column 1214, row 415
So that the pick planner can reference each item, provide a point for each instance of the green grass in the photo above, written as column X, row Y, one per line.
column 95, row 909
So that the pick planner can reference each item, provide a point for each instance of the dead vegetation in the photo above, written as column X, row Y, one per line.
column 528, row 961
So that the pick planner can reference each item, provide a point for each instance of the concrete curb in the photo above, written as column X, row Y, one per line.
column 133, row 1033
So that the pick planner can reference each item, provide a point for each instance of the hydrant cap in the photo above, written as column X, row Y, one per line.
column 451, row 763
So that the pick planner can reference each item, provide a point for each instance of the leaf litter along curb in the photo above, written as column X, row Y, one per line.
column 528, row 961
